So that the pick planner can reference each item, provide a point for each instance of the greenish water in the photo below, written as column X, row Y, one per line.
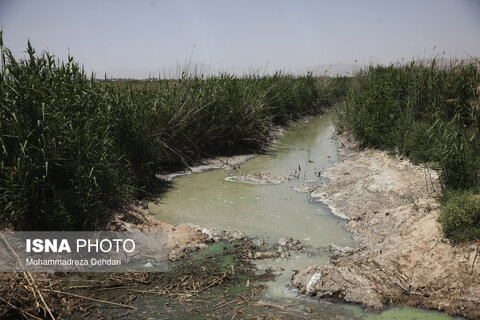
column 269, row 211
column 273, row 211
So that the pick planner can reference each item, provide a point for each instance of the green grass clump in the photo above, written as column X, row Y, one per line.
column 432, row 115
column 460, row 217
column 72, row 147
column 416, row 145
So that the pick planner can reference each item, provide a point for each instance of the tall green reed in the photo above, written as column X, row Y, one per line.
column 73, row 148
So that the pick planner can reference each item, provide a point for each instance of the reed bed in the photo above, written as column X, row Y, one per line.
column 431, row 114
column 73, row 148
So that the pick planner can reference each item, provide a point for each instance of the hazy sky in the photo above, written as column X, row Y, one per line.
column 133, row 38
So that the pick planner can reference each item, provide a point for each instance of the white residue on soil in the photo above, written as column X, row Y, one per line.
column 402, row 256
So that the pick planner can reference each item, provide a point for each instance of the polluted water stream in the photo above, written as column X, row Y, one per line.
column 267, row 212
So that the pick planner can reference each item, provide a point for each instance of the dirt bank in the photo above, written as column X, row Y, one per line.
column 402, row 256
column 182, row 239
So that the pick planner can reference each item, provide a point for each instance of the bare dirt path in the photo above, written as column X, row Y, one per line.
column 402, row 256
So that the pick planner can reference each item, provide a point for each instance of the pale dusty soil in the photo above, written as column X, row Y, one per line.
column 402, row 256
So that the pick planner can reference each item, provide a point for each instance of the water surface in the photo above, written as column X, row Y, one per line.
column 274, row 211
column 270, row 211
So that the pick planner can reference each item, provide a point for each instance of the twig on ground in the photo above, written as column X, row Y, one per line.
column 91, row 299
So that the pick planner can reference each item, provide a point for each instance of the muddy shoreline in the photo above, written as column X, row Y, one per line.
column 401, row 255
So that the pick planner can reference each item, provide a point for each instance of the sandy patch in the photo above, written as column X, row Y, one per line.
column 402, row 256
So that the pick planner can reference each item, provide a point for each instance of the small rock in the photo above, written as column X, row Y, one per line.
column 208, row 233
column 236, row 236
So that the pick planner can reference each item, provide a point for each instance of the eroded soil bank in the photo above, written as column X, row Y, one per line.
column 183, row 239
column 402, row 256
